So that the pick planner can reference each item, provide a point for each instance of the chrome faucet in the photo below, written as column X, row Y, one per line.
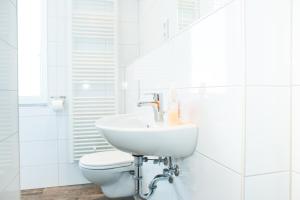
column 156, row 104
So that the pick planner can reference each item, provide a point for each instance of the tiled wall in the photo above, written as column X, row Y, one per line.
column 268, row 99
column 152, row 31
column 128, row 41
column 202, row 64
column 296, row 100
column 9, row 136
column 232, row 71
column 44, row 134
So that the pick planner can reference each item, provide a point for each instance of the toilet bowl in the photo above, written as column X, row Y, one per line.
column 111, row 171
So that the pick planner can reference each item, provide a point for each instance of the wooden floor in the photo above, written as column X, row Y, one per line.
column 77, row 192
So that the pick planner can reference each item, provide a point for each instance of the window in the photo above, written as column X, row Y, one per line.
column 32, row 39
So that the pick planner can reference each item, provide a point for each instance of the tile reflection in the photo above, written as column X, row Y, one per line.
column 8, row 160
column 8, row 114
column 8, row 67
column 8, row 22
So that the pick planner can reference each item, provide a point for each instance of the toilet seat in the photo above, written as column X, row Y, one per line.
column 106, row 160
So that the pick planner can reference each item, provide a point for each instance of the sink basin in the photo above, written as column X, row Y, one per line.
column 134, row 134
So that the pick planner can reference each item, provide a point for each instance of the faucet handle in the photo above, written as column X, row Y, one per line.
column 156, row 96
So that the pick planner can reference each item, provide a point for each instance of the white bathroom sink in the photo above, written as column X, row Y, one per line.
column 134, row 134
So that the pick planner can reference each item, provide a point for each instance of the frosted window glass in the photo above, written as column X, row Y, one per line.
column 31, row 47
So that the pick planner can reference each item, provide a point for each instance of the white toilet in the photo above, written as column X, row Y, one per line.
column 111, row 171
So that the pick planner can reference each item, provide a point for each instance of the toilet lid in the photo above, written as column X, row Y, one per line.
column 106, row 160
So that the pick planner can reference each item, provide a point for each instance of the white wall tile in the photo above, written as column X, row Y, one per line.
column 165, row 189
column 122, row 89
column 209, row 54
column 206, row 6
column 202, row 178
column 127, row 54
column 12, row 191
column 131, row 97
column 151, row 27
column 9, row 137
column 61, row 8
column 52, row 54
column 38, row 128
column 296, row 128
column 51, row 27
column 39, row 153
column 8, row 66
column 128, row 33
column 52, row 8
column 63, row 127
column 267, row 129
column 39, row 176
column 70, row 174
column 41, row 127
column 61, row 55
column 8, row 23
column 219, row 114
column 217, row 49
column 268, row 41
column 295, row 186
column 128, row 10
column 8, row 114
column 267, row 187
column 52, row 81
column 14, row 2
column 64, row 151
column 62, row 30
column 214, row 62
column 296, row 42
column 9, row 160
column 62, row 81
column 35, row 111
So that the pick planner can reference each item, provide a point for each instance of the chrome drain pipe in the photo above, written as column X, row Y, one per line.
column 167, row 175
column 138, row 163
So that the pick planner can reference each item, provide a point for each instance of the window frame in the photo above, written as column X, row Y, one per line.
column 43, row 98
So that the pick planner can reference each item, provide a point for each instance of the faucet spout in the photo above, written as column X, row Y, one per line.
column 156, row 106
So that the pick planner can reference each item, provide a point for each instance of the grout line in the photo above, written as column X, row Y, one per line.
column 9, row 136
column 42, row 140
column 266, row 85
column 217, row 86
column 128, row 44
column 267, row 173
column 34, row 116
column 13, row 3
column 211, row 86
column 39, row 165
column 127, row 21
column 199, row 87
column 39, row 115
column 219, row 163
column 296, row 172
column 58, row 153
column 12, row 181
column 8, row 90
column 9, row 44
